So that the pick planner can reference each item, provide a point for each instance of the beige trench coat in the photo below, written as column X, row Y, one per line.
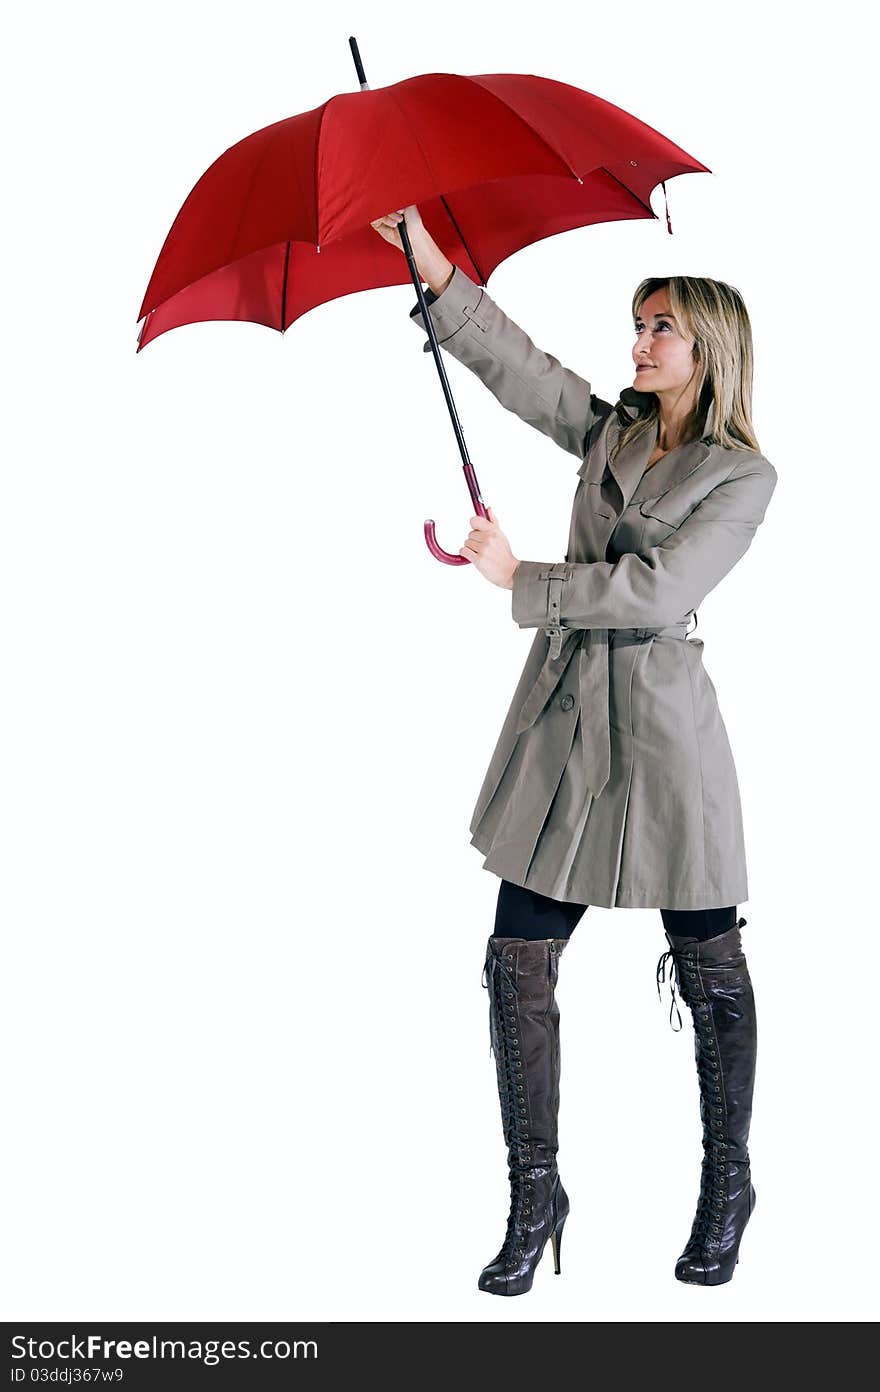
column 612, row 781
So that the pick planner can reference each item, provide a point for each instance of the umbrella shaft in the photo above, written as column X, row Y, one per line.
column 470, row 476
column 432, row 335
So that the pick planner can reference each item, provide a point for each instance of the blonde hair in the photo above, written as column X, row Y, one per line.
column 715, row 316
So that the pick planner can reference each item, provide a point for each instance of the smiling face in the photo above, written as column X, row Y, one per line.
column 663, row 347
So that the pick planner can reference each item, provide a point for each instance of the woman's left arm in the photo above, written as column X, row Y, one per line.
column 665, row 583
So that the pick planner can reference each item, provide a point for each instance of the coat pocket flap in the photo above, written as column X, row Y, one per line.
column 671, row 507
column 660, row 509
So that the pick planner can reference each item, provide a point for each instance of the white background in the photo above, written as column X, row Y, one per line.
column 245, row 716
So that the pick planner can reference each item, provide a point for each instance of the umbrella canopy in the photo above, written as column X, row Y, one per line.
column 280, row 222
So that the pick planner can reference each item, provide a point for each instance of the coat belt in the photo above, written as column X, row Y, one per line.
column 593, row 686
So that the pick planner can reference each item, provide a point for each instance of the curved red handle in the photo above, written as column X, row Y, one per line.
column 480, row 509
column 436, row 549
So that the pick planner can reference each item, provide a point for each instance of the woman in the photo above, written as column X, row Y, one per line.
column 612, row 782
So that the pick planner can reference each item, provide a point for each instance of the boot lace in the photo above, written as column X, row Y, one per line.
column 667, row 960
column 504, row 1044
column 709, row 1218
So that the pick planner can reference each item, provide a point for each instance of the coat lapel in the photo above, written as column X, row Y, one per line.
column 634, row 479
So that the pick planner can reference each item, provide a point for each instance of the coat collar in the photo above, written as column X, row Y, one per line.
column 630, row 470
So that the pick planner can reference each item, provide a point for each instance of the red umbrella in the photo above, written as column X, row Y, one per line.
column 280, row 223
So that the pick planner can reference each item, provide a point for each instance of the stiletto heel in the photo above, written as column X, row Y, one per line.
column 556, row 1240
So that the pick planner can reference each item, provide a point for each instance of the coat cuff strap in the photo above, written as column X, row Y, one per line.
column 456, row 306
column 556, row 575
column 537, row 597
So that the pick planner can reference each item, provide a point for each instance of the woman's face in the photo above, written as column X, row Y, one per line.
column 662, row 347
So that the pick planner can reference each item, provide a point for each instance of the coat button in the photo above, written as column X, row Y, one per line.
column 567, row 702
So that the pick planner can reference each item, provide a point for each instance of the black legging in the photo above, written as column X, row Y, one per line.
column 523, row 913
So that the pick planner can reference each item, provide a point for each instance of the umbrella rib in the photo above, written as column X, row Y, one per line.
column 418, row 144
column 454, row 222
column 318, row 134
column 607, row 171
column 529, row 127
column 284, row 288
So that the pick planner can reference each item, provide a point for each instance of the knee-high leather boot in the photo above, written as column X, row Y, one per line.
column 714, row 982
column 520, row 975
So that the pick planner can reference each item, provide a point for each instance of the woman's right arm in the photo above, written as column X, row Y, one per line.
column 526, row 380
column 470, row 325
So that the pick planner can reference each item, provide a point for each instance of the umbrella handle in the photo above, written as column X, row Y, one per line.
column 434, row 546
column 436, row 549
